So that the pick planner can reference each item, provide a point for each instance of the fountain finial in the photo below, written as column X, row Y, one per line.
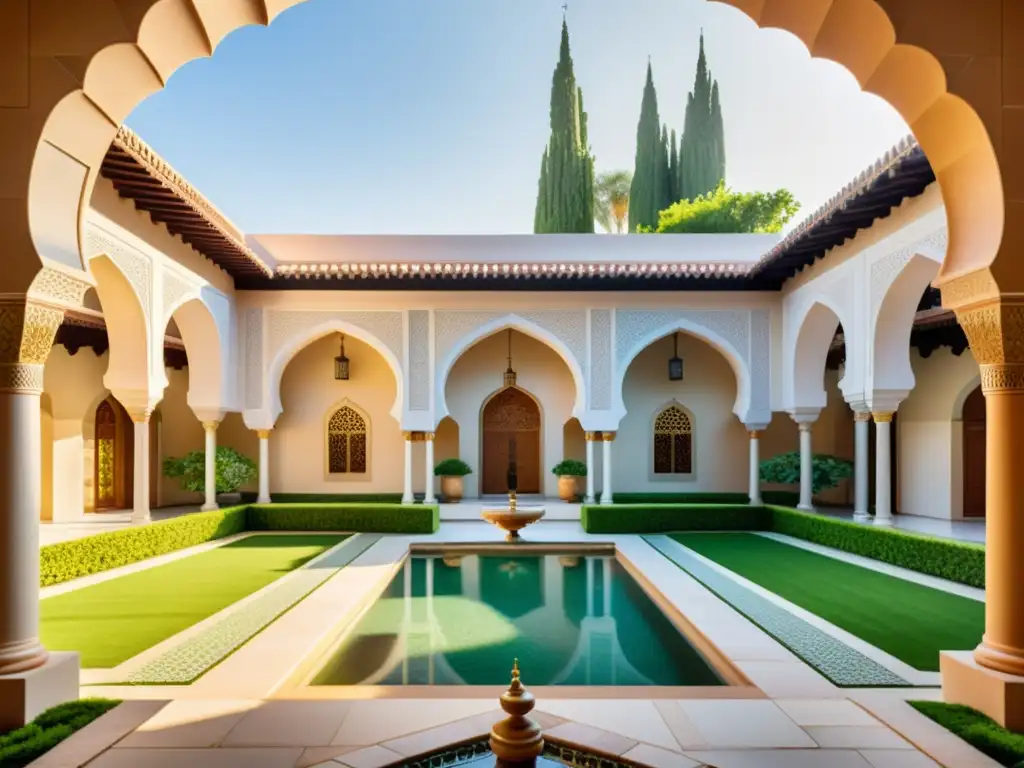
column 517, row 739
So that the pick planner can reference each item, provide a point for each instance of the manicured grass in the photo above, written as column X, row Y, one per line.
column 907, row 620
column 20, row 747
column 111, row 622
column 982, row 733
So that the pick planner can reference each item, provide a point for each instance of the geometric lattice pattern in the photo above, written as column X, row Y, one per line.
column 673, row 442
column 346, row 442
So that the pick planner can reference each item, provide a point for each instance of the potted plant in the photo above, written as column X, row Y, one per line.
column 451, row 472
column 568, row 470
column 233, row 470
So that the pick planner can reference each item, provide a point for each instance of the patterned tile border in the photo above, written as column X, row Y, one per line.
column 841, row 664
column 184, row 663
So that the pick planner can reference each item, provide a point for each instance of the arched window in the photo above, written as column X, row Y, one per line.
column 673, row 442
column 346, row 442
column 106, row 452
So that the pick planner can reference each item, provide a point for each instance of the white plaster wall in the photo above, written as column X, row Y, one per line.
column 478, row 374
column 309, row 392
column 708, row 391
column 180, row 433
column 930, row 436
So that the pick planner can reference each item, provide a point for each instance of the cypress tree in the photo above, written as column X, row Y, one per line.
column 673, row 167
column 565, row 195
column 644, row 196
column 702, row 152
column 664, row 172
column 718, row 132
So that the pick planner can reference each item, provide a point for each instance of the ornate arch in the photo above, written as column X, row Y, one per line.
column 129, row 367
column 527, row 328
column 811, row 339
column 204, row 345
column 347, row 433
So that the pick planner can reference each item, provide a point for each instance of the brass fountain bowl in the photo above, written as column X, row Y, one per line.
column 512, row 520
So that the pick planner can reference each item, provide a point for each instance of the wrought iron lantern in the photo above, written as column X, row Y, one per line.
column 675, row 363
column 341, row 366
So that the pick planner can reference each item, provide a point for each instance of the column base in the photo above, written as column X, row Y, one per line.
column 997, row 694
column 408, row 499
column 884, row 522
column 263, row 500
column 861, row 517
column 25, row 694
column 589, row 500
column 606, row 502
column 142, row 519
column 209, row 507
column 756, row 501
column 429, row 500
column 805, row 507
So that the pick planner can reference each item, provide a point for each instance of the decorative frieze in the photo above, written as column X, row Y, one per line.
column 600, row 359
column 175, row 289
column 284, row 326
column 419, row 360
column 135, row 265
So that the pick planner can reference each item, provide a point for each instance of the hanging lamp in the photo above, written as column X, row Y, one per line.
column 510, row 374
column 675, row 363
column 341, row 366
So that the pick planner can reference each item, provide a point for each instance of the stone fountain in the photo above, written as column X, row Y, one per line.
column 517, row 739
column 512, row 517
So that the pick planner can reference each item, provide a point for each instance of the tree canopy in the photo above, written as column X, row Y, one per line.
column 724, row 211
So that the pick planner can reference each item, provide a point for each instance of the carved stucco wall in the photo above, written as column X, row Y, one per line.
column 601, row 353
column 253, row 320
column 419, row 360
column 176, row 289
column 135, row 264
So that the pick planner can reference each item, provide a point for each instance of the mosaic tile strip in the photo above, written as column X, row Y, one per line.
column 837, row 661
column 186, row 662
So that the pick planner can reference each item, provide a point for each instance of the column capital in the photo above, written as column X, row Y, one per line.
column 211, row 426
column 805, row 426
column 607, row 437
column 263, row 434
column 592, row 437
column 755, row 430
column 882, row 417
column 27, row 331
column 139, row 415
column 805, row 416
column 862, row 416
column 428, row 437
column 754, row 434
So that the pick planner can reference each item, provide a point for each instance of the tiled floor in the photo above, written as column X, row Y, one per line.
column 243, row 713
column 961, row 530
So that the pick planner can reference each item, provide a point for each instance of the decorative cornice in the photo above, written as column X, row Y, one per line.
column 524, row 271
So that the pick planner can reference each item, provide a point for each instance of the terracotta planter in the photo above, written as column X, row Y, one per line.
column 451, row 489
column 567, row 488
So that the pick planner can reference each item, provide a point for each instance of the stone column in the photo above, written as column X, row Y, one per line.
column 140, row 484
column 883, row 466
column 804, row 420
column 861, row 426
column 210, row 485
column 264, row 491
column 755, row 468
column 407, row 495
column 591, row 438
column 607, row 438
column 30, row 678
column 428, row 438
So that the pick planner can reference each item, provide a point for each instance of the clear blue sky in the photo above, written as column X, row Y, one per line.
column 407, row 116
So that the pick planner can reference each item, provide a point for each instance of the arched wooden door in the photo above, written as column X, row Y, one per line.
column 112, row 457
column 974, row 454
column 511, row 415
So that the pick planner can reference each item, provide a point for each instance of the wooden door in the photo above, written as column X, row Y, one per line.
column 510, row 415
column 107, row 472
column 974, row 454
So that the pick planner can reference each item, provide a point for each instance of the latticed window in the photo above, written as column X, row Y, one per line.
column 673, row 442
column 346, row 442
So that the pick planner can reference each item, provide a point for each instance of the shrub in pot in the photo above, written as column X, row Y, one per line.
column 451, row 472
column 826, row 471
column 568, row 470
column 233, row 470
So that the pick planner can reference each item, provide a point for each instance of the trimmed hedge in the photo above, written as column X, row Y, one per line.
column 978, row 730
column 364, row 518
column 21, row 746
column 784, row 498
column 113, row 549
column 663, row 518
column 953, row 560
column 249, row 497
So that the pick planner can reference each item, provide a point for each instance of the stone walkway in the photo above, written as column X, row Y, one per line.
column 101, row 522
column 958, row 530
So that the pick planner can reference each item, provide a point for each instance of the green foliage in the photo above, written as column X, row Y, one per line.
column 978, row 730
column 233, row 470
column 701, row 165
column 768, row 497
column 93, row 554
column 362, row 518
column 452, row 468
column 662, row 518
column 650, row 190
column 20, row 747
column 722, row 211
column 570, row 468
column 952, row 560
column 565, row 194
column 611, row 200
column 826, row 471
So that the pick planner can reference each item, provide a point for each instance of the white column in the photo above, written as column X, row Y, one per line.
column 20, row 505
column 591, row 469
column 264, row 492
column 861, row 426
column 140, row 492
column 210, row 484
column 407, row 497
column 755, row 468
column 429, row 442
column 806, row 467
column 883, row 479
column 606, row 458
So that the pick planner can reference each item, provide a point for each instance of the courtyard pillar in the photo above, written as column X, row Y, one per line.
column 755, row 466
column 804, row 420
column 429, row 442
column 862, row 420
column 140, row 505
column 607, row 438
column 210, row 484
column 264, row 490
column 591, row 437
column 883, row 465
column 407, row 497
column 31, row 679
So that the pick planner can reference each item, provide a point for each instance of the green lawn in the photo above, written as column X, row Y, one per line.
column 111, row 622
column 907, row 620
